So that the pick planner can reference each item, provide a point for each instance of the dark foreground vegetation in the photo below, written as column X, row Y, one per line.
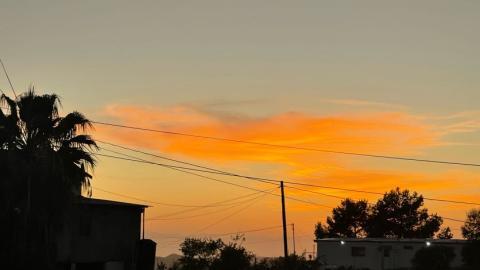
column 45, row 161
column 216, row 255
column 208, row 254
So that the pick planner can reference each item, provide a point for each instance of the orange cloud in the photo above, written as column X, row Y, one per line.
column 397, row 133
column 392, row 133
column 378, row 133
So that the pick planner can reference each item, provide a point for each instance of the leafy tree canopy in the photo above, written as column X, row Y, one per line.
column 445, row 233
column 348, row 219
column 400, row 214
column 471, row 229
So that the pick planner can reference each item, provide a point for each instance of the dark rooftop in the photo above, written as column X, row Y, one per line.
column 93, row 201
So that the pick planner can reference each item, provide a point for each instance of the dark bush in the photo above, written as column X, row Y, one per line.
column 433, row 258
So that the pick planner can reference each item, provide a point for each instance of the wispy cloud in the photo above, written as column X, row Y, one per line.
column 365, row 103
column 378, row 133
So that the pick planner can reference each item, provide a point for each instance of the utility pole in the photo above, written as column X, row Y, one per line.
column 284, row 219
column 293, row 230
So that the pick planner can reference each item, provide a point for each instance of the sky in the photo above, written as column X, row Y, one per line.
column 378, row 77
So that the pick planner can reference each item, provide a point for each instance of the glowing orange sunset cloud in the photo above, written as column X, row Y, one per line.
column 395, row 133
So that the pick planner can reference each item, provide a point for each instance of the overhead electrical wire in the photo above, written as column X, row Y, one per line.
column 161, row 217
column 185, row 170
column 266, row 180
column 179, row 238
column 250, row 231
column 133, row 158
column 217, row 204
column 209, row 169
column 232, row 214
column 377, row 193
column 8, row 78
column 167, row 218
column 288, row 197
column 161, row 157
column 320, row 193
column 266, row 192
column 296, row 183
column 289, row 146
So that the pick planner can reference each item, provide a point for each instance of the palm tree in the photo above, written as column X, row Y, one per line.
column 45, row 162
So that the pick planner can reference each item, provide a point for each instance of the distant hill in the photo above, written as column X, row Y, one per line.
column 169, row 260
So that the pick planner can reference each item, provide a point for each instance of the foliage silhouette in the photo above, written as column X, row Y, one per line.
column 322, row 231
column 45, row 162
column 348, row 219
column 445, row 233
column 211, row 254
column 199, row 253
column 399, row 214
column 471, row 229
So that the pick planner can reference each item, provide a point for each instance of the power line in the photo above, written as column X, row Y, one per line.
column 231, row 215
column 320, row 193
column 337, row 196
column 323, row 194
column 378, row 193
column 249, row 231
column 185, row 168
column 225, row 234
column 195, row 209
column 8, row 78
column 289, row 146
column 210, row 178
column 217, row 204
column 266, row 180
column 202, row 214
column 212, row 170
column 266, row 192
column 161, row 157
column 177, row 169
column 457, row 220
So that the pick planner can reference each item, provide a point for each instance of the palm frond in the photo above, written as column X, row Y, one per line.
column 82, row 141
column 68, row 125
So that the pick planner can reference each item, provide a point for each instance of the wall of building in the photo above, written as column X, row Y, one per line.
column 101, row 233
column 375, row 255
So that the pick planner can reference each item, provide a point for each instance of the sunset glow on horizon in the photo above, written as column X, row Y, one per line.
column 381, row 78
column 383, row 133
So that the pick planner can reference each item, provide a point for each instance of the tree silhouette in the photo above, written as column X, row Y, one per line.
column 471, row 228
column 445, row 233
column 399, row 214
column 45, row 163
column 348, row 219
column 322, row 231
column 199, row 253
column 233, row 257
